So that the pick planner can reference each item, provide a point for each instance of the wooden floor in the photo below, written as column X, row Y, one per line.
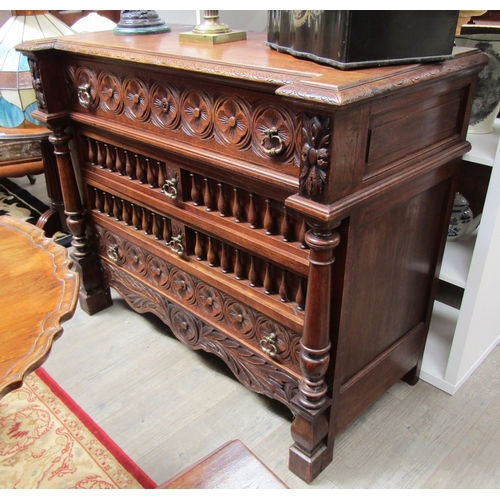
column 167, row 407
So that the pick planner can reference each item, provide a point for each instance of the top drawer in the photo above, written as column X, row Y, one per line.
column 195, row 115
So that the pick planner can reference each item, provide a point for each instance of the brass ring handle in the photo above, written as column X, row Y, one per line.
column 268, row 345
column 84, row 95
column 272, row 133
column 113, row 253
column 170, row 189
column 175, row 244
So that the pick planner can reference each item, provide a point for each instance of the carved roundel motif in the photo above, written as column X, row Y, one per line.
column 70, row 77
column 158, row 271
column 272, row 333
column 239, row 318
column 164, row 105
column 110, row 92
column 101, row 245
column 232, row 121
column 295, row 350
column 210, row 300
column 182, row 285
column 184, row 326
column 135, row 258
column 86, row 88
column 272, row 131
column 136, row 99
column 113, row 248
column 196, row 109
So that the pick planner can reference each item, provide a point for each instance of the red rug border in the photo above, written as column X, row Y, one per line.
column 126, row 462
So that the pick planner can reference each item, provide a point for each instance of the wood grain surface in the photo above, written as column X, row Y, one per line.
column 39, row 292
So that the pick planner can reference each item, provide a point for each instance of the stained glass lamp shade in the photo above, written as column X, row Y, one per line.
column 17, row 97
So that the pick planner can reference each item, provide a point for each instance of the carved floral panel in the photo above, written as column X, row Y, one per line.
column 233, row 121
column 244, row 321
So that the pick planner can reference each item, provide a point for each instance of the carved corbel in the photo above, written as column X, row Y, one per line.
column 314, row 155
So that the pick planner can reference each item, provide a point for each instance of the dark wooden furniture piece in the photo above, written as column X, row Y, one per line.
column 26, row 151
column 232, row 466
column 39, row 292
column 288, row 217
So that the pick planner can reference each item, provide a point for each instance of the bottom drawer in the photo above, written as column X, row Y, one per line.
column 263, row 354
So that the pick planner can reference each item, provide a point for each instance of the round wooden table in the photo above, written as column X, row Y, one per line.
column 39, row 292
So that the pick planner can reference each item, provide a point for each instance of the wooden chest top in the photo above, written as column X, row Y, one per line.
column 252, row 61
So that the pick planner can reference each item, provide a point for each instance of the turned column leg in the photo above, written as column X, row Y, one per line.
column 54, row 219
column 94, row 295
column 309, row 455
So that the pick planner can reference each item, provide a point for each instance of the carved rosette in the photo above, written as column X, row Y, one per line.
column 212, row 304
column 158, row 271
column 210, row 300
column 253, row 371
column 110, row 90
column 114, row 247
column 232, row 121
column 135, row 258
column 240, row 319
column 314, row 142
column 136, row 99
column 86, row 87
column 184, row 326
column 183, row 286
column 165, row 105
column 270, row 333
column 196, row 109
column 272, row 131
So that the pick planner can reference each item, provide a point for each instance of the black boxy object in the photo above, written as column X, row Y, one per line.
column 349, row 39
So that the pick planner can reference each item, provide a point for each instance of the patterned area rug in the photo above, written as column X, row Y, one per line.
column 21, row 204
column 48, row 441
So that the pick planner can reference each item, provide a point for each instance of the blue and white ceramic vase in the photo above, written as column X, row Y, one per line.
column 462, row 221
column 486, row 104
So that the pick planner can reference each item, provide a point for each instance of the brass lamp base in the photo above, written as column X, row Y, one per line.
column 214, row 38
column 211, row 31
column 140, row 22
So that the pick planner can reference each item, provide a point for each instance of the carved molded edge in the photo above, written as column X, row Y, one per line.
column 327, row 93
column 68, row 280
column 196, row 65
column 36, row 45
column 253, row 371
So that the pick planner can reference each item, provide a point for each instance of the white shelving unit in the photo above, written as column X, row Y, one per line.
column 459, row 340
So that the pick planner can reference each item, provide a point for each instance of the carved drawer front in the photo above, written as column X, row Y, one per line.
column 255, row 127
column 222, row 205
column 276, row 283
column 148, row 171
column 267, row 336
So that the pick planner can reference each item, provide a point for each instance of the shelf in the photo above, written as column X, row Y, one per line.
column 438, row 346
column 460, row 339
column 484, row 146
column 457, row 259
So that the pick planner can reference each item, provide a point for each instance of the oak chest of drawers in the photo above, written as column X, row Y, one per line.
column 288, row 217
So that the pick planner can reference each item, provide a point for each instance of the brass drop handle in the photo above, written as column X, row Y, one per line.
column 84, row 95
column 176, row 245
column 170, row 188
column 272, row 135
column 113, row 253
column 268, row 345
